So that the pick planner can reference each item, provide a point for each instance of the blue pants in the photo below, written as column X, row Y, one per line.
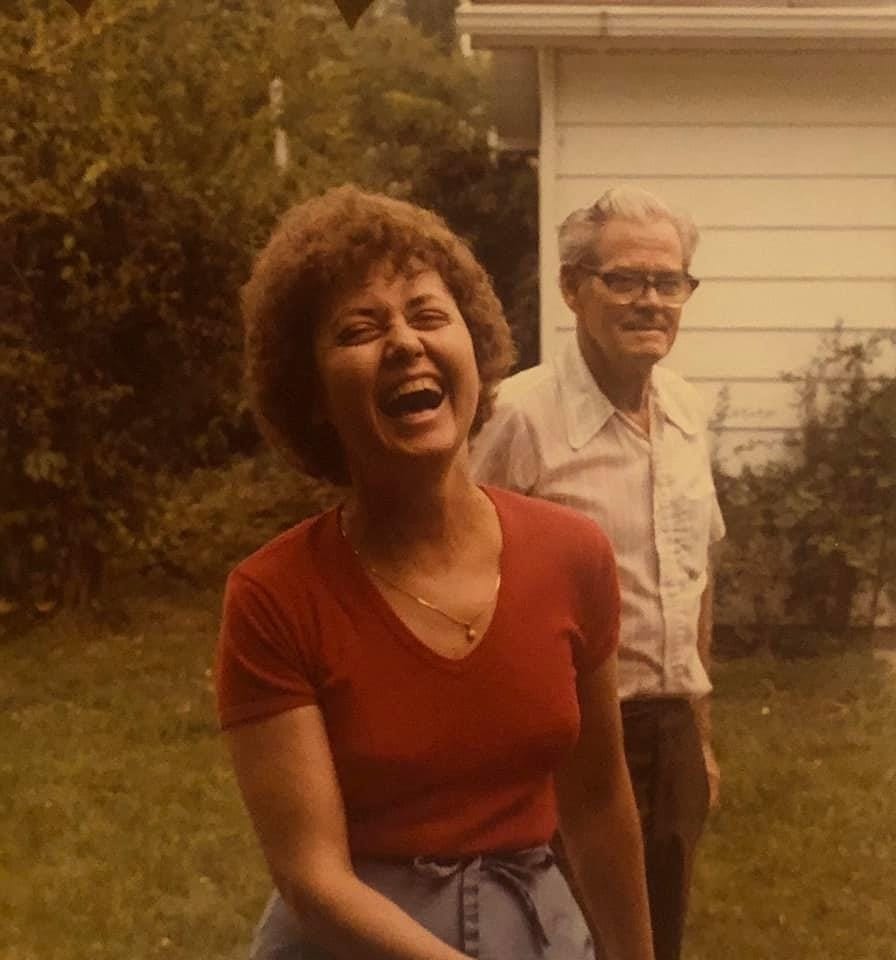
column 513, row 906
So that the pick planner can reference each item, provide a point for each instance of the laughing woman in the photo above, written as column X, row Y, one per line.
column 418, row 686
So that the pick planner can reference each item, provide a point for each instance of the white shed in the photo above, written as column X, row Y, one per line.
column 775, row 126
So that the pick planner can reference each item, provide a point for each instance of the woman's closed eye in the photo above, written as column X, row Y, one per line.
column 358, row 330
column 363, row 326
column 429, row 319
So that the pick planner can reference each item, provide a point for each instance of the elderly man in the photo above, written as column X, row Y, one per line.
column 605, row 430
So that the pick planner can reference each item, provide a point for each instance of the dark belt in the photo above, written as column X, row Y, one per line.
column 646, row 706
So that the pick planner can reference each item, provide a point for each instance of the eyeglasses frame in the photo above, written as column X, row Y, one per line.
column 649, row 280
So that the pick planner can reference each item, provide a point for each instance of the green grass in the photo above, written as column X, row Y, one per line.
column 799, row 862
column 122, row 837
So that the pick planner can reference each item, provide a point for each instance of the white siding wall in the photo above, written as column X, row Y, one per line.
column 787, row 160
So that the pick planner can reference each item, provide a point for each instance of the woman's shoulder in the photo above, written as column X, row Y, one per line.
column 290, row 556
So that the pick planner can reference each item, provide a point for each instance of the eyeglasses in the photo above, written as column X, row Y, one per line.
column 627, row 286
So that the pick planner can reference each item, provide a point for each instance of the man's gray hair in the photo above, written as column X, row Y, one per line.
column 578, row 233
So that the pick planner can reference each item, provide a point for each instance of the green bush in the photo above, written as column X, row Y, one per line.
column 117, row 361
column 136, row 179
column 810, row 553
column 202, row 525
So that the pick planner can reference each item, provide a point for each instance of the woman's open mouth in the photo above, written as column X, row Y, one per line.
column 420, row 395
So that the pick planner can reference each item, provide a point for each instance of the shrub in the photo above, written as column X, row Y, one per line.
column 131, row 202
column 810, row 549
column 117, row 361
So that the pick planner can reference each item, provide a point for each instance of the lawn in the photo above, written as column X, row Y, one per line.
column 799, row 862
column 122, row 837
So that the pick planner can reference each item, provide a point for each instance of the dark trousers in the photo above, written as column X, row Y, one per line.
column 665, row 762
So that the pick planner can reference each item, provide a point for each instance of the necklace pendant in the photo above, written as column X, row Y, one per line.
column 471, row 635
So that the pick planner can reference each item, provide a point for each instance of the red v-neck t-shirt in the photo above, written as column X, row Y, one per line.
column 434, row 756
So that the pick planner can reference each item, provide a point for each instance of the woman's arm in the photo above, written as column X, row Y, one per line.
column 285, row 772
column 599, row 824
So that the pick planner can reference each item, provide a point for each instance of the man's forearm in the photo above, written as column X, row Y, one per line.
column 704, row 651
column 703, row 716
column 705, row 620
column 701, row 705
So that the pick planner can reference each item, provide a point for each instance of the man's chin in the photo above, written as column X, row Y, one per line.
column 647, row 353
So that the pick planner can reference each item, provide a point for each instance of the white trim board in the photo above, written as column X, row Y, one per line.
column 533, row 24
column 548, row 255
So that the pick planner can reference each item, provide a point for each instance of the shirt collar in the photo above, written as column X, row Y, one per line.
column 586, row 409
column 672, row 401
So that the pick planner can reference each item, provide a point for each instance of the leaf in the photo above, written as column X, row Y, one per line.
column 95, row 171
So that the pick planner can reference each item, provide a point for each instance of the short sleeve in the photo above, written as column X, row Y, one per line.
column 717, row 522
column 503, row 454
column 599, row 604
column 262, row 665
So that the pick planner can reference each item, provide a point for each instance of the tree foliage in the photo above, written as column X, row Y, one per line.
column 434, row 18
column 116, row 362
column 136, row 179
column 811, row 552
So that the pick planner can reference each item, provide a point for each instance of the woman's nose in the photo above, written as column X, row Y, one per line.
column 402, row 339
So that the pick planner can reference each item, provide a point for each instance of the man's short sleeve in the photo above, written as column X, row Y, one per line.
column 716, row 523
column 504, row 453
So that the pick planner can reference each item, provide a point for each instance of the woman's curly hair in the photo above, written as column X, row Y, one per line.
column 318, row 252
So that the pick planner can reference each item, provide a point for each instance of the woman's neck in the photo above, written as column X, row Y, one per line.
column 429, row 521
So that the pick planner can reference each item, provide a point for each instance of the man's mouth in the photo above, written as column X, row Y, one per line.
column 413, row 396
column 643, row 328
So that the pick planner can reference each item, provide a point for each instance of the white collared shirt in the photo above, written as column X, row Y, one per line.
column 555, row 435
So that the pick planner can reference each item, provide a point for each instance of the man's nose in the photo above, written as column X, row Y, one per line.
column 649, row 297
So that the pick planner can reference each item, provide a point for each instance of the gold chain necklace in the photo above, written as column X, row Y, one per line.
column 467, row 625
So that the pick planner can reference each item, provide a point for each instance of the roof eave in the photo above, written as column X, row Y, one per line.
column 534, row 24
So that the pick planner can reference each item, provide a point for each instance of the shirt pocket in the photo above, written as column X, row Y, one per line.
column 688, row 481
column 694, row 511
